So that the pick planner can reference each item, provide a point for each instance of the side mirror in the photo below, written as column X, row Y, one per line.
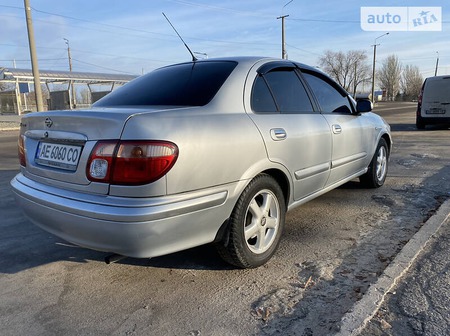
column 364, row 105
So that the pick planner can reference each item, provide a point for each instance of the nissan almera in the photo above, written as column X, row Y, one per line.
column 211, row 151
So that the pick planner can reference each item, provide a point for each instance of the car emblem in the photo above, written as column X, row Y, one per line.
column 48, row 122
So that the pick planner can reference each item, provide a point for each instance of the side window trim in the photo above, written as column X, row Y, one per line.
column 291, row 67
column 326, row 79
column 271, row 92
column 310, row 93
column 330, row 82
column 260, row 77
column 276, row 65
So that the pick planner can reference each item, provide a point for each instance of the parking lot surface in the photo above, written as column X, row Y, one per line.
column 333, row 249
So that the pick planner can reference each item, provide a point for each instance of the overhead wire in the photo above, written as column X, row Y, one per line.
column 142, row 30
column 211, row 7
column 102, row 67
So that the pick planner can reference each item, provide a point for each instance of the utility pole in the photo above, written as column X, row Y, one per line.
column 73, row 100
column 437, row 64
column 34, row 63
column 283, row 42
column 373, row 67
column 373, row 72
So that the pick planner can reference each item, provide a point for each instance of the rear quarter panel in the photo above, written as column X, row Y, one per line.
column 214, row 148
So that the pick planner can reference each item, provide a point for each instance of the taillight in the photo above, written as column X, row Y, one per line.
column 131, row 162
column 420, row 97
column 22, row 151
column 101, row 161
column 419, row 100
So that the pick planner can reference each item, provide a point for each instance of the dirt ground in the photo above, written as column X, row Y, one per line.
column 333, row 248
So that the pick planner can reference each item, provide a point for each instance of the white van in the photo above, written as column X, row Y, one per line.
column 434, row 102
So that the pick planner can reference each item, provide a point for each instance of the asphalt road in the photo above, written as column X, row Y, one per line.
column 333, row 248
column 419, row 303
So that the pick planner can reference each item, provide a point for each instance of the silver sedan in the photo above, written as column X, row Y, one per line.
column 207, row 151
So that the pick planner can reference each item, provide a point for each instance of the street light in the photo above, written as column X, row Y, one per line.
column 373, row 69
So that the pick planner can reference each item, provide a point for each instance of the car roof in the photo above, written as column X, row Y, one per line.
column 250, row 60
column 437, row 78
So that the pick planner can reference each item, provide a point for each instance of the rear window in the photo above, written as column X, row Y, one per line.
column 437, row 90
column 187, row 84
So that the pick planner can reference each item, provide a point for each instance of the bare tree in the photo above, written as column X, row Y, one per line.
column 84, row 96
column 389, row 76
column 348, row 69
column 5, row 86
column 411, row 81
column 32, row 97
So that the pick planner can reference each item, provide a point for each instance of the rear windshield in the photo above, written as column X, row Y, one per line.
column 437, row 90
column 187, row 84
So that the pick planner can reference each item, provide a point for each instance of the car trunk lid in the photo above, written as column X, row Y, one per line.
column 57, row 144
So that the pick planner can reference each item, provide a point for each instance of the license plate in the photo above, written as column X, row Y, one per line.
column 58, row 155
column 435, row 111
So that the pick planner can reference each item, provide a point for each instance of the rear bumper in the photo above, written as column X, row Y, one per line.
column 429, row 119
column 141, row 228
column 433, row 120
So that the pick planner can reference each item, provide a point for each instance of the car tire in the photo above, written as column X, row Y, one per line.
column 377, row 170
column 255, row 225
column 420, row 124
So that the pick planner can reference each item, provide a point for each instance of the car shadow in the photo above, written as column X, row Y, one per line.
column 198, row 258
column 27, row 246
column 413, row 128
column 24, row 246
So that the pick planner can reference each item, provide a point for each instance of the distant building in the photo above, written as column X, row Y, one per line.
column 17, row 100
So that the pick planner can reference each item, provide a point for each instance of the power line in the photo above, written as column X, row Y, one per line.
column 325, row 21
column 102, row 67
column 146, row 31
column 14, row 7
column 133, row 30
column 100, row 24
column 222, row 9
column 28, row 60
column 78, row 51
column 304, row 50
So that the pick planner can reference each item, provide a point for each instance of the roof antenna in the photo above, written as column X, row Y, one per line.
column 192, row 54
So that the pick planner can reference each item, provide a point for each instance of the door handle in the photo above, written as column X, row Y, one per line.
column 278, row 134
column 337, row 129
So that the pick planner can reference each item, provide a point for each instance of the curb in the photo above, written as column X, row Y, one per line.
column 363, row 311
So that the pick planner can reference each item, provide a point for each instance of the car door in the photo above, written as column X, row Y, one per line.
column 351, row 132
column 296, row 135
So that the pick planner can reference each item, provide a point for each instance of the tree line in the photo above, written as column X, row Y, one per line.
column 352, row 70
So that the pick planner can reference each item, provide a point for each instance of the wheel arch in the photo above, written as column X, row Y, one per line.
column 388, row 140
column 282, row 180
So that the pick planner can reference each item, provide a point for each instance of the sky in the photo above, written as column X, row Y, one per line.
column 133, row 37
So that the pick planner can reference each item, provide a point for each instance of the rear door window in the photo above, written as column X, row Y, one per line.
column 330, row 98
column 280, row 90
column 262, row 99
